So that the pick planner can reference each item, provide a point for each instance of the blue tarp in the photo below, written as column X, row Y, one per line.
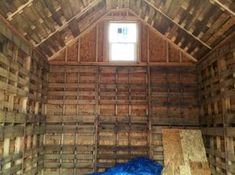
column 135, row 166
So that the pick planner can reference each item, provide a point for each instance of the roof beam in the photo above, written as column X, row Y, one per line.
column 14, row 35
column 80, row 35
column 105, row 17
column 223, row 7
column 20, row 9
column 182, row 28
column 87, row 8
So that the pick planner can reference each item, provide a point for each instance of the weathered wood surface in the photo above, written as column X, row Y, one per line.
column 217, row 97
column 196, row 26
column 116, row 111
column 101, row 113
column 23, row 82
column 184, row 152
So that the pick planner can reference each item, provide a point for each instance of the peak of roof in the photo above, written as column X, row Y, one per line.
column 196, row 26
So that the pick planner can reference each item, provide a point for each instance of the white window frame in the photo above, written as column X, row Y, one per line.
column 136, row 51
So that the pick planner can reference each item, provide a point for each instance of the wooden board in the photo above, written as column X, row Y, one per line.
column 184, row 152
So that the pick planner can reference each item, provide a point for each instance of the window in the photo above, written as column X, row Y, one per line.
column 122, row 41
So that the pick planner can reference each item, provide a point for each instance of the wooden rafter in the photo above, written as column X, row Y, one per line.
column 109, row 6
column 182, row 28
column 224, row 7
column 80, row 35
column 27, row 43
column 20, row 9
column 105, row 17
column 87, row 8
column 13, row 29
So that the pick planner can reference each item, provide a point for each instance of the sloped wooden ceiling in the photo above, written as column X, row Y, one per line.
column 196, row 26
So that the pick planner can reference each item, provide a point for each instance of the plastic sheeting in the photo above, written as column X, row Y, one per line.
column 135, row 166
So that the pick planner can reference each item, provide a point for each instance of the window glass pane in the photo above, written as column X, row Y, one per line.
column 122, row 32
column 122, row 52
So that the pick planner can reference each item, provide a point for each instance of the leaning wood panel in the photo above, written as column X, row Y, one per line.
column 184, row 152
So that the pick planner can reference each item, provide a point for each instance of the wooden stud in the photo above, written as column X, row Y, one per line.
column 224, row 7
column 97, row 43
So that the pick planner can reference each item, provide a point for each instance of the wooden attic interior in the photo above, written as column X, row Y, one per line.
column 65, row 108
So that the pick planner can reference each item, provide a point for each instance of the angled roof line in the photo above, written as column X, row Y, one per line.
column 178, row 25
column 80, row 35
column 224, row 7
column 20, row 9
column 87, row 8
column 22, row 43
column 103, row 16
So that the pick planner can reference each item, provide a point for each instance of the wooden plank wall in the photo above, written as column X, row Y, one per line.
column 99, row 113
column 23, row 82
column 217, row 106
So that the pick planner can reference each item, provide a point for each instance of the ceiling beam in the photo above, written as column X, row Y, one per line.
column 14, row 35
column 224, row 7
column 78, row 15
column 80, row 35
column 10, row 32
column 182, row 28
column 20, row 9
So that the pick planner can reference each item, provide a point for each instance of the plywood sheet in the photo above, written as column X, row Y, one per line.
column 192, row 145
column 184, row 153
column 199, row 168
column 172, row 146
